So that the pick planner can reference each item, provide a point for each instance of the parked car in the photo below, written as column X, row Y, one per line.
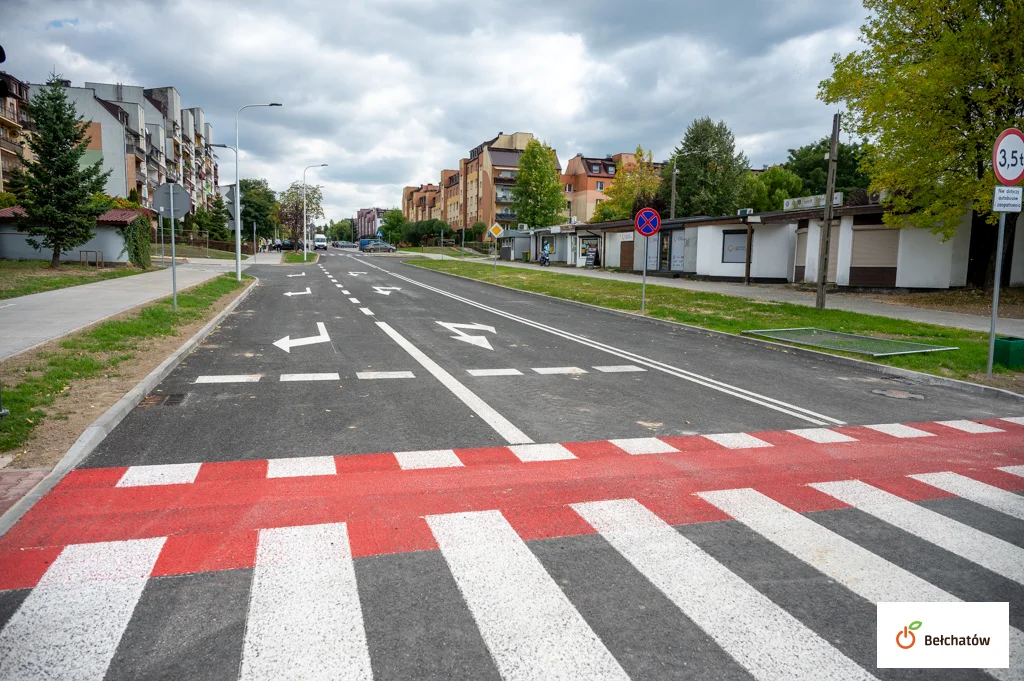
column 347, row 244
column 286, row 245
column 376, row 246
column 319, row 241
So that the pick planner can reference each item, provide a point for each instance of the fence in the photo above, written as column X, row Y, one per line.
column 199, row 240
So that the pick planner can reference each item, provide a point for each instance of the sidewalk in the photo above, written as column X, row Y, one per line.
column 30, row 320
column 780, row 294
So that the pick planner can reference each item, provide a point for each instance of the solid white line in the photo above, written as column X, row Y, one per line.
column 529, row 625
column 494, row 372
column 434, row 458
column 768, row 641
column 1018, row 420
column 354, row 300
column 70, row 625
column 559, row 370
column 1013, row 470
column 822, row 436
column 619, row 369
column 998, row 499
column 305, row 620
column 741, row 393
column 899, row 430
column 310, row 377
column 164, row 474
column 644, row 445
column 301, row 466
column 987, row 551
column 366, row 311
column 370, row 375
column 972, row 427
column 542, row 452
column 737, row 440
column 495, row 420
column 236, row 378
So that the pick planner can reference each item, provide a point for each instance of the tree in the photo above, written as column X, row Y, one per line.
column 477, row 230
column 768, row 190
column 810, row 164
column 258, row 205
column 393, row 225
column 341, row 230
column 291, row 208
column 710, row 170
column 537, row 197
column 933, row 88
column 635, row 186
column 56, row 188
column 7, row 200
column 218, row 220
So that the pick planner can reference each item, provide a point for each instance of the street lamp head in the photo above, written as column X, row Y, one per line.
column 275, row 104
column 323, row 165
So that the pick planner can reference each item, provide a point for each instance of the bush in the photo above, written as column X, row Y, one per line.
column 136, row 241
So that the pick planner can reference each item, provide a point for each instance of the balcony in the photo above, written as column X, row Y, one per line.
column 188, row 183
column 504, row 179
column 172, row 175
column 8, row 145
column 137, row 150
column 508, row 216
column 503, row 198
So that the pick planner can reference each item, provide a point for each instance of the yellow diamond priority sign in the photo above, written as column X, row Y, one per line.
column 496, row 230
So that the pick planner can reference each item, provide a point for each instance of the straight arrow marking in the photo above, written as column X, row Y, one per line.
column 356, row 274
column 301, row 274
column 287, row 343
column 480, row 341
column 299, row 293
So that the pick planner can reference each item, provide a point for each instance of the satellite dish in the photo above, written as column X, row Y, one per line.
column 3, row 57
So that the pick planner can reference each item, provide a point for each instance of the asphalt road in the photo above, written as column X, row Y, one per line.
column 446, row 480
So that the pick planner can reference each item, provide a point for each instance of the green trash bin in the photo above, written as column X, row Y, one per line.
column 526, row 256
column 1009, row 352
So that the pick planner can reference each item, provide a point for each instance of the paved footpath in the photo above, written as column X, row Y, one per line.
column 1006, row 327
column 30, row 320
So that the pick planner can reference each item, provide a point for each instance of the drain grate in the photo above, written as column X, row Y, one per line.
column 165, row 400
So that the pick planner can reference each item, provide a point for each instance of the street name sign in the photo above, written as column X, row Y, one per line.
column 647, row 222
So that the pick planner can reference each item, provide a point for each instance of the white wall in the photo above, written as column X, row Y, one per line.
column 961, row 252
column 845, row 250
column 612, row 249
column 813, row 243
column 923, row 260
column 13, row 246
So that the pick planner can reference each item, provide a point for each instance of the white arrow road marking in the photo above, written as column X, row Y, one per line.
column 299, row 293
column 287, row 343
column 300, row 274
column 356, row 274
column 386, row 290
column 473, row 340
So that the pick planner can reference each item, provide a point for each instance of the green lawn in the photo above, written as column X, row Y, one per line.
column 22, row 277
column 295, row 257
column 734, row 314
column 96, row 352
column 453, row 251
column 186, row 251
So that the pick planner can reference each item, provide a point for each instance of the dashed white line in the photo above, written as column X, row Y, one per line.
column 737, row 440
column 494, row 372
column 344, row 293
column 233, row 378
column 301, row 466
column 338, row 285
column 354, row 300
column 370, row 375
column 434, row 458
column 619, row 369
column 559, row 370
column 366, row 311
column 164, row 474
column 310, row 377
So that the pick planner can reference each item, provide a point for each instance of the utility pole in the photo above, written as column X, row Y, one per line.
column 826, row 223
column 672, row 210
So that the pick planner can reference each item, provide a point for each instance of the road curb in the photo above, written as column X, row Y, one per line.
column 102, row 426
column 918, row 376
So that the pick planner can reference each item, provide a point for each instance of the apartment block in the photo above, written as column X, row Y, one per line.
column 368, row 221
column 12, row 122
column 451, row 199
column 421, row 203
column 587, row 178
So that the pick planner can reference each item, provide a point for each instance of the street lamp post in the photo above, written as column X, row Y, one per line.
column 238, row 196
column 238, row 191
column 305, row 236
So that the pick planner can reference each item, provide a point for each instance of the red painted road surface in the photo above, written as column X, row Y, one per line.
column 213, row 522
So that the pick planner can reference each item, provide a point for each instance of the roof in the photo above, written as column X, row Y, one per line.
column 114, row 216
column 505, row 157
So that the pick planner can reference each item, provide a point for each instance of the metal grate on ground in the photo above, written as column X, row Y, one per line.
column 846, row 342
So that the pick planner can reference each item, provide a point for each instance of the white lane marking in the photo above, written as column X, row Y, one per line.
column 1013, row 470
column 644, row 445
column 495, row 420
column 299, row 293
column 970, row 427
column 345, row 293
column 899, row 430
column 300, row 274
column 164, row 474
column 354, row 300
column 70, row 625
column 370, row 375
column 542, row 452
column 987, row 551
column 338, row 285
column 356, row 274
column 310, row 377
column 386, row 290
column 366, row 311
column 301, row 466
column 1018, row 420
column 305, row 620
column 287, row 343
column 737, row 440
column 529, row 625
column 230, row 378
column 559, row 370
column 7, row 305
column 480, row 341
column 731, row 611
column 822, row 436
column 740, row 393
column 494, row 372
column 619, row 369
column 998, row 499
column 434, row 458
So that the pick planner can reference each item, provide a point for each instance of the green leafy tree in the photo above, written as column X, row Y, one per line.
column 537, row 197
column 218, row 220
column 477, row 230
column 341, row 230
column 258, row 205
column 393, row 225
column 7, row 200
column 710, row 170
column 933, row 88
column 769, row 189
column 810, row 164
column 290, row 210
column 56, row 187
column 635, row 186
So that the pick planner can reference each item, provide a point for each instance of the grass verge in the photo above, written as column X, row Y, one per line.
column 453, row 251
column 23, row 277
column 734, row 314
column 97, row 352
column 295, row 258
column 187, row 251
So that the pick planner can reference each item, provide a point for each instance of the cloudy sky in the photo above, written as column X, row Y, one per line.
column 389, row 92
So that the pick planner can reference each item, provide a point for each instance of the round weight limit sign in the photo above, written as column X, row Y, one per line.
column 1008, row 157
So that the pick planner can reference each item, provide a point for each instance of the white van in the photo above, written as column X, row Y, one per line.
column 319, row 241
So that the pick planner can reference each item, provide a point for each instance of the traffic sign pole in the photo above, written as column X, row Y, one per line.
column 643, row 286
column 1008, row 165
column 995, row 293
column 647, row 223
column 174, row 262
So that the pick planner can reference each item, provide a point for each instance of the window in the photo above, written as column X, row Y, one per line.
column 568, row 188
column 597, row 203
column 595, row 167
column 600, row 186
column 734, row 245
column 610, row 170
